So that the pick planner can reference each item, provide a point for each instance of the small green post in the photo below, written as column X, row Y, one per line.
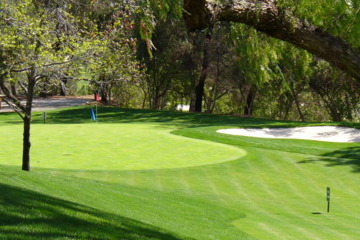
column 328, row 198
column 44, row 116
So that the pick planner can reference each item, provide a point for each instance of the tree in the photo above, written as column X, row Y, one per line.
column 31, row 48
column 256, row 53
column 338, row 92
column 165, row 66
column 280, row 21
column 113, row 62
column 221, row 64
column 293, row 70
column 199, row 89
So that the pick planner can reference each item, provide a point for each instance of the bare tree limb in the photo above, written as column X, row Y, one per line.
column 43, row 66
column 15, row 108
column 24, row 88
column 10, row 99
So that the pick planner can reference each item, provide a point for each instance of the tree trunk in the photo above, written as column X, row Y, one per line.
column 63, row 87
column 13, row 89
column 295, row 96
column 44, row 92
column 27, row 119
column 192, row 104
column 199, row 90
column 104, row 93
column 249, row 107
column 267, row 17
column 156, row 102
column 26, row 145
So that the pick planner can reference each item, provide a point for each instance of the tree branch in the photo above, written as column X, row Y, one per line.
column 24, row 88
column 43, row 66
column 15, row 108
column 10, row 99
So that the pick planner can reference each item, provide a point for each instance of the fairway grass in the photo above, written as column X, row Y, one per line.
column 160, row 175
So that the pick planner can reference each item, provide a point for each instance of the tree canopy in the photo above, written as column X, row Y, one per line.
column 327, row 40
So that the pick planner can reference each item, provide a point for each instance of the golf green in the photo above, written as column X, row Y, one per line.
column 113, row 147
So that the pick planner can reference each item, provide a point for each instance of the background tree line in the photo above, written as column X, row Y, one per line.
column 140, row 54
column 245, row 72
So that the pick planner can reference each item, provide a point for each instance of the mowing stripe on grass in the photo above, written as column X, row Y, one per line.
column 272, row 192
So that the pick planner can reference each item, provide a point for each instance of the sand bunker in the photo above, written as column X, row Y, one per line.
column 318, row 133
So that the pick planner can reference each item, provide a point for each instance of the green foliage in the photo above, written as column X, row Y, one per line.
column 340, row 17
column 26, row 36
column 151, row 12
column 112, row 67
column 256, row 52
column 338, row 92
column 96, row 41
column 41, row 38
column 167, row 72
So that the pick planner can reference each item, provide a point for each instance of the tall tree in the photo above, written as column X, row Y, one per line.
column 165, row 66
column 220, row 73
column 199, row 89
column 338, row 92
column 256, row 53
column 113, row 59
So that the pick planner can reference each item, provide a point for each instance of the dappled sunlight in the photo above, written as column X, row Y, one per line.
column 349, row 156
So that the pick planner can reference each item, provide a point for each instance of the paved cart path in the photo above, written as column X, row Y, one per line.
column 44, row 104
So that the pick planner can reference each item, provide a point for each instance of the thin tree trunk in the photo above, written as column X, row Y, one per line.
column 44, row 91
column 156, row 102
column 109, row 91
column 192, row 104
column 63, row 82
column 267, row 17
column 249, row 107
column 104, row 93
column 297, row 105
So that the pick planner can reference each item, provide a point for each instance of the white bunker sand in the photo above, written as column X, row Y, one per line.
column 318, row 133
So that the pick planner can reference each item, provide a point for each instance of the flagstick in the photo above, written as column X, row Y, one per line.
column 96, row 115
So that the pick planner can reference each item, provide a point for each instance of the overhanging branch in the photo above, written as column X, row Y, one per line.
column 267, row 17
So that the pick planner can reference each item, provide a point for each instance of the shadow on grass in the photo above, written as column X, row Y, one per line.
column 82, row 114
column 347, row 156
column 27, row 214
column 119, row 115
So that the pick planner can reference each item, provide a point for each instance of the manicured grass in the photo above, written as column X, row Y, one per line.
column 114, row 146
column 140, row 174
